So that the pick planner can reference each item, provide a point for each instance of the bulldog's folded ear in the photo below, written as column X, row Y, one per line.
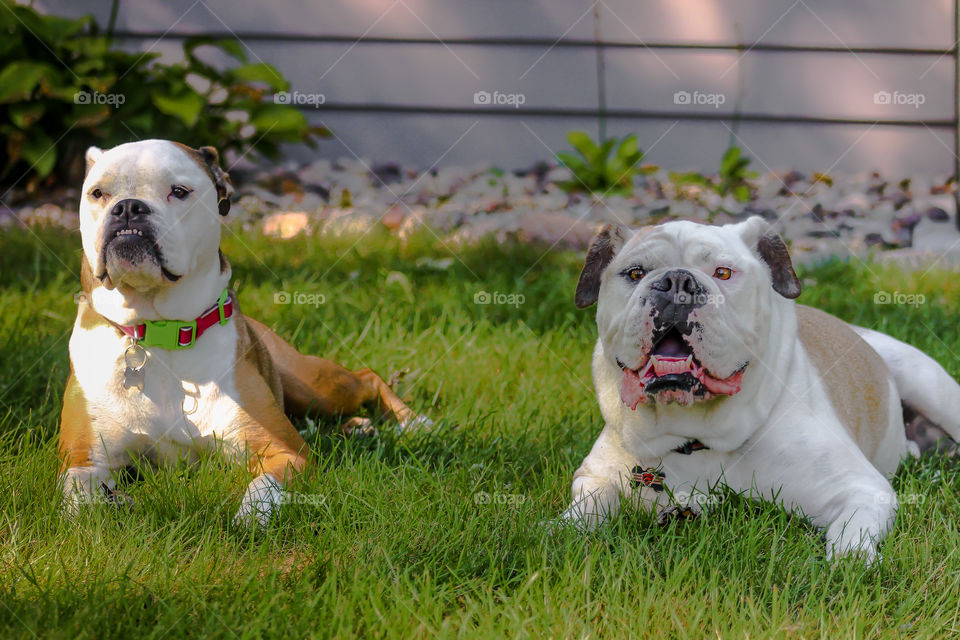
column 602, row 249
column 760, row 236
column 220, row 178
column 93, row 154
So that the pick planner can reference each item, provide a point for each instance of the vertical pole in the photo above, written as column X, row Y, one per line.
column 601, row 74
column 956, row 111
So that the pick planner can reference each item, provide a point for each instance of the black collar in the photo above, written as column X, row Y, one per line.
column 690, row 446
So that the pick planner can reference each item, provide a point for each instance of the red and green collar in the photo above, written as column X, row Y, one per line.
column 180, row 334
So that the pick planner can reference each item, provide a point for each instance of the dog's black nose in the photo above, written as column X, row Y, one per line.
column 130, row 208
column 675, row 294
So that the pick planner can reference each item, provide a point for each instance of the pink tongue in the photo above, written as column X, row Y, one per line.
column 631, row 389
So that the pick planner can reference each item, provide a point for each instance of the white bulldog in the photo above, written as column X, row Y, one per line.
column 708, row 373
column 163, row 362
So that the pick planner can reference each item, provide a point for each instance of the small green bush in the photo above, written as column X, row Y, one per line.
column 597, row 171
column 65, row 86
column 732, row 179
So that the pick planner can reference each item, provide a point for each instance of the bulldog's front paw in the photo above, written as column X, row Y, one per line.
column 858, row 530
column 865, row 552
column 263, row 495
column 83, row 487
column 116, row 499
column 852, row 544
column 359, row 427
column 673, row 513
column 550, row 527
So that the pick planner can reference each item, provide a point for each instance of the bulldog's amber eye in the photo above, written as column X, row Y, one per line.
column 723, row 273
column 97, row 194
column 636, row 274
column 179, row 192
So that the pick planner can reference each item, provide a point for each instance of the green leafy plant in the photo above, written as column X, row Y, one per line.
column 732, row 178
column 65, row 86
column 605, row 168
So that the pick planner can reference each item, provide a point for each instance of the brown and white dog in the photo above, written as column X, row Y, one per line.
column 707, row 374
column 163, row 363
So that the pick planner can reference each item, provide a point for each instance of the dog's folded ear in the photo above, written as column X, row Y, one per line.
column 767, row 243
column 220, row 178
column 603, row 247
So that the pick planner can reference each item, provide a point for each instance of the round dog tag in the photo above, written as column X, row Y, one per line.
column 134, row 358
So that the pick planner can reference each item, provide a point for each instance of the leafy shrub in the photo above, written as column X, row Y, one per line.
column 64, row 86
column 732, row 179
column 597, row 171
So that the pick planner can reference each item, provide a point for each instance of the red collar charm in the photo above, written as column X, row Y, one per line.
column 653, row 478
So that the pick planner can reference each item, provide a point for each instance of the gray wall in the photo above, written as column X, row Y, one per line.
column 811, row 84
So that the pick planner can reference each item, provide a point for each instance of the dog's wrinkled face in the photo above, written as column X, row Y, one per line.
column 683, row 307
column 150, row 212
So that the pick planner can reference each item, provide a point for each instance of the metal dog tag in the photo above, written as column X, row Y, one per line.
column 135, row 358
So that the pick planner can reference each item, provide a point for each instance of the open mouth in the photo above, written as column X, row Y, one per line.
column 673, row 374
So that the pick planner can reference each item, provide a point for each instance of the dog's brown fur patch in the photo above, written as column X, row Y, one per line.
column 76, row 434
column 853, row 374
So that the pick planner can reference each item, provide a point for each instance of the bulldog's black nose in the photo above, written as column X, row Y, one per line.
column 130, row 208
column 675, row 294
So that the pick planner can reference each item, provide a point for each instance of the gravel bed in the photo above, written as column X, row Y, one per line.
column 907, row 219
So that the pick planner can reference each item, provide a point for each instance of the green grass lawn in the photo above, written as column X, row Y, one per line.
column 438, row 534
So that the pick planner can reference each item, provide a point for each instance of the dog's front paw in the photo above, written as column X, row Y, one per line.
column 76, row 498
column 672, row 513
column 563, row 523
column 864, row 550
column 857, row 535
column 117, row 499
column 358, row 427
column 263, row 495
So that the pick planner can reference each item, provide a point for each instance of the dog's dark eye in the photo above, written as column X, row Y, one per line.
column 97, row 194
column 723, row 273
column 636, row 274
column 179, row 192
